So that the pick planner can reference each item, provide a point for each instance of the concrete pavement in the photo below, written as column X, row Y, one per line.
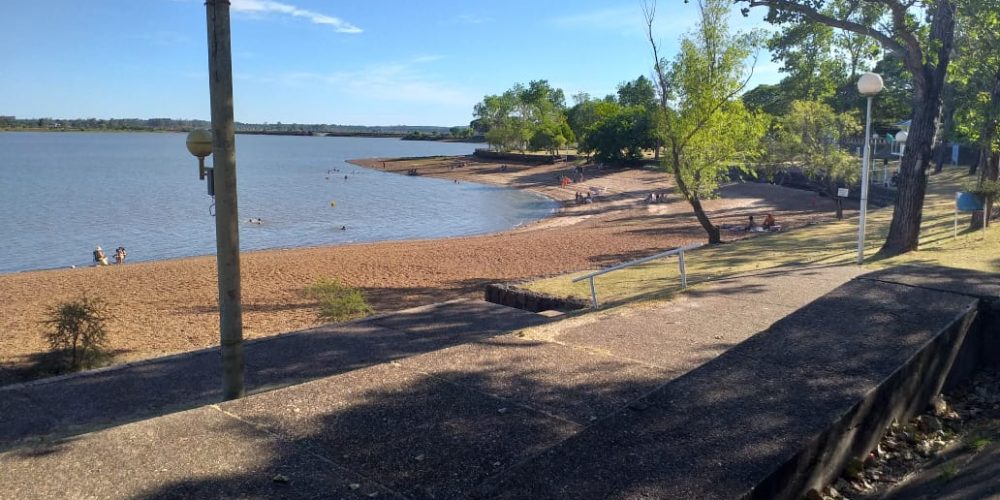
column 624, row 403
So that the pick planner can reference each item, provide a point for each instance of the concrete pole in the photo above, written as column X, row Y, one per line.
column 227, row 234
column 866, row 162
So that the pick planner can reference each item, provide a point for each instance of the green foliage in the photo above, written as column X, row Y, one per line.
column 808, row 138
column 524, row 117
column 707, row 129
column 983, row 187
column 78, row 333
column 620, row 133
column 337, row 301
column 975, row 75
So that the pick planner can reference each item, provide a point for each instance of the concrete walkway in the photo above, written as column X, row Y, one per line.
column 84, row 402
column 699, row 397
column 428, row 403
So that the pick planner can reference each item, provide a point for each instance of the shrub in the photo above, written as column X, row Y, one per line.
column 78, row 336
column 337, row 301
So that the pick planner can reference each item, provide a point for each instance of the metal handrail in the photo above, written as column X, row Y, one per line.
column 680, row 259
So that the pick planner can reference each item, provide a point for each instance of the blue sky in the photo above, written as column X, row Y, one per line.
column 373, row 62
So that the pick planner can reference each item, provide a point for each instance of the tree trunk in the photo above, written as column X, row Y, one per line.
column 975, row 165
column 991, row 171
column 904, row 231
column 714, row 235
column 928, row 82
column 948, row 111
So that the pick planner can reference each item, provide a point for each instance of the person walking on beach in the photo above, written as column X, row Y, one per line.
column 120, row 255
column 99, row 258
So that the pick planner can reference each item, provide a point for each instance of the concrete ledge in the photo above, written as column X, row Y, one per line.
column 775, row 415
column 511, row 296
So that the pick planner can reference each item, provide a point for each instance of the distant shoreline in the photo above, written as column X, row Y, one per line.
column 404, row 136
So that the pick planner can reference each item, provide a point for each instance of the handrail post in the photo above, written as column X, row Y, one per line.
column 684, row 278
column 593, row 292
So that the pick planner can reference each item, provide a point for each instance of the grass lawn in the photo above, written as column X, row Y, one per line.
column 826, row 244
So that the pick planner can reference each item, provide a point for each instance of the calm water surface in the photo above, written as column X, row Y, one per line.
column 61, row 194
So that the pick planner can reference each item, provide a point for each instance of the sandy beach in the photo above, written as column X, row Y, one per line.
column 170, row 306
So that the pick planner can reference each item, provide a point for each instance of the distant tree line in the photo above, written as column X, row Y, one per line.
column 171, row 124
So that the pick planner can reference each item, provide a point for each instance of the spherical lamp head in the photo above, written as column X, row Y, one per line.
column 870, row 84
column 199, row 142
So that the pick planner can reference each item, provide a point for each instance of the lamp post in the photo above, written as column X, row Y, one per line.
column 222, row 185
column 869, row 85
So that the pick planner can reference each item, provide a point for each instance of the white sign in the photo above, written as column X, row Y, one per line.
column 842, row 192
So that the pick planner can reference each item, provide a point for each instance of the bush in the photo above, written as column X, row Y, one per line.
column 337, row 301
column 78, row 336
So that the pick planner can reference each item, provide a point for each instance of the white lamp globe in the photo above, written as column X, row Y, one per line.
column 901, row 136
column 870, row 84
column 199, row 142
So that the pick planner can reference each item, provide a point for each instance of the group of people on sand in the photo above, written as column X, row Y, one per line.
column 769, row 224
column 102, row 260
column 655, row 197
column 588, row 198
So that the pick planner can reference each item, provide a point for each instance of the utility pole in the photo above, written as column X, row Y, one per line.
column 227, row 232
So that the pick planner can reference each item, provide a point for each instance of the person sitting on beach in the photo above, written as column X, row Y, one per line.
column 99, row 258
column 769, row 222
column 751, row 225
column 120, row 255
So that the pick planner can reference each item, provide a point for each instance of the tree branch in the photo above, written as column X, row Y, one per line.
column 914, row 56
column 811, row 13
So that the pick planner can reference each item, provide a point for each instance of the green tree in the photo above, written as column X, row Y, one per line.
column 976, row 83
column 621, row 133
column 921, row 34
column 808, row 138
column 806, row 53
column 770, row 99
column 78, row 332
column 706, row 128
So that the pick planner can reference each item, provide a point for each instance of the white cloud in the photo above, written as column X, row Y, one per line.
column 267, row 6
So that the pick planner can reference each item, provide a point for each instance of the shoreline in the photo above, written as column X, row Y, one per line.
column 168, row 306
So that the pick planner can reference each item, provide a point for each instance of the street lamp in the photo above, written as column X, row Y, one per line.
column 869, row 85
column 199, row 143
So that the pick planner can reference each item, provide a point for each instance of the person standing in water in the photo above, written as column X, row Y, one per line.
column 120, row 255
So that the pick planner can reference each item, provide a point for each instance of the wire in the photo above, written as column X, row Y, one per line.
column 211, row 208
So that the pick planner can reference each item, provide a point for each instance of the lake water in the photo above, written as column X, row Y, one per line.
column 61, row 194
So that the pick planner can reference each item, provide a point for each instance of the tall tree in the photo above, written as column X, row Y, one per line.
column 706, row 129
column 808, row 138
column 921, row 34
column 976, row 78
